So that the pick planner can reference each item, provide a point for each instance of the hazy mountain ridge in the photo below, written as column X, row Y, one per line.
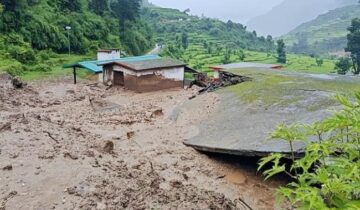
column 326, row 33
column 291, row 13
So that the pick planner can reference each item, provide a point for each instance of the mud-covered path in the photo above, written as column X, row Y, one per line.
column 85, row 147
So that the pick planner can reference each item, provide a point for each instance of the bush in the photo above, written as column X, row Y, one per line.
column 44, row 55
column 15, row 70
column 41, row 67
column 22, row 54
column 343, row 65
column 328, row 176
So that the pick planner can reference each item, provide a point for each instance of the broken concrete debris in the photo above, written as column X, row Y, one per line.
column 226, row 79
column 208, row 85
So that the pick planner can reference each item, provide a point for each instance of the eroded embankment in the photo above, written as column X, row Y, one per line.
column 250, row 111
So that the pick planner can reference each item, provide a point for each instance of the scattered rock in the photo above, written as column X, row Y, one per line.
column 17, row 83
column 76, row 128
column 71, row 156
column 176, row 184
column 89, row 153
column 157, row 113
column 8, row 168
column 70, row 91
column 109, row 147
column 5, row 127
column 130, row 134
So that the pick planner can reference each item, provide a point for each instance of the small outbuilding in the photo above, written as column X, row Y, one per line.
column 146, row 75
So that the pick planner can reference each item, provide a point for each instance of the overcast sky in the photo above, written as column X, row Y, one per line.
column 236, row 10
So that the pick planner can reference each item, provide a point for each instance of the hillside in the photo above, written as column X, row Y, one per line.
column 32, row 32
column 170, row 24
column 326, row 33
column 291, row 13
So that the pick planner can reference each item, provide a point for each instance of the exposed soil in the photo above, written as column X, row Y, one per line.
column 84, row 147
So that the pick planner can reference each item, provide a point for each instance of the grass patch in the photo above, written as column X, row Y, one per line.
column 271, row 87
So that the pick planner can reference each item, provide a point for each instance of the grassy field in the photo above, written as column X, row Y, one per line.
column 270, row 87
column 200, row 57
column 55, row 66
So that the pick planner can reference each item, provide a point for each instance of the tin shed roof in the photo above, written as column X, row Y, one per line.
column 142, row 65
column 94, row 67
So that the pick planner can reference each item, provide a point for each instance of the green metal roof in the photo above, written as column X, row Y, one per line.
column 94, row 67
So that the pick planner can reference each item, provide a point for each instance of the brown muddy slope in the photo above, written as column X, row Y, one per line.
column 85, row 147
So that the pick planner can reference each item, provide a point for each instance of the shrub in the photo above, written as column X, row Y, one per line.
column 328, row 176
column 22, row 54
column 44, row 55
column 15, row 70
column 343, row 65
column 41, row 67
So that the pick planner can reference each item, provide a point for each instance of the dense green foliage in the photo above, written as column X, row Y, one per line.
column 28, row 27
column 171, row 23
column 353, row 45
column 326, row 33
column 328, row 176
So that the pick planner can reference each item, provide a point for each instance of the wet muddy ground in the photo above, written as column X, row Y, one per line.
column 84, row 147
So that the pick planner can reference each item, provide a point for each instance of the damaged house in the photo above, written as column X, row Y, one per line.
column 145, row 75
column 139, row 73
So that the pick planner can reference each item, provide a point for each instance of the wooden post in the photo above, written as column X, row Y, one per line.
column 74, row 68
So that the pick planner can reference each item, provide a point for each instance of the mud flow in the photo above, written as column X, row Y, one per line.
column 65, row 146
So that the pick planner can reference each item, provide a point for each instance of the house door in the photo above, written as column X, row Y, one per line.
column 118, row 78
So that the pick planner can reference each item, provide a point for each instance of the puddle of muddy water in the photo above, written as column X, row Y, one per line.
column 240, row 170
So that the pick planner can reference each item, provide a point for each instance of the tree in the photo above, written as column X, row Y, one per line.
column 126, row 10
column 343, row 65
column 227, row 55
column 270, row 43
column 70, row 5
column 14, row 12
column 241, row 55
column 281, row 51
column 99, row 7
column 1, row 8
column 353, row 45
column 184, row 40
column 319, row 61
column 13, row 5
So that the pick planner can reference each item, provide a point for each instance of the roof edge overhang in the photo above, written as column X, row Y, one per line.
column 145, row 69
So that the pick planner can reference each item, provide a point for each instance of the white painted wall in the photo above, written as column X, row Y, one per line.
column 176, row 73
column 113, row 54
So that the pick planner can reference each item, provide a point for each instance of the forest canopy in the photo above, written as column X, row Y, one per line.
column 39, row 25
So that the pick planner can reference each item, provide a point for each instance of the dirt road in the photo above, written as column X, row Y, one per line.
column 84, row 147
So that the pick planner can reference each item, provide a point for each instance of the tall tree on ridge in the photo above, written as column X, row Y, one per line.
column 184, row 40
column 99, row 7
column 281, row 51
column 353, row 45
column 126, row 10
column 12, row 14
column 70, row 5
